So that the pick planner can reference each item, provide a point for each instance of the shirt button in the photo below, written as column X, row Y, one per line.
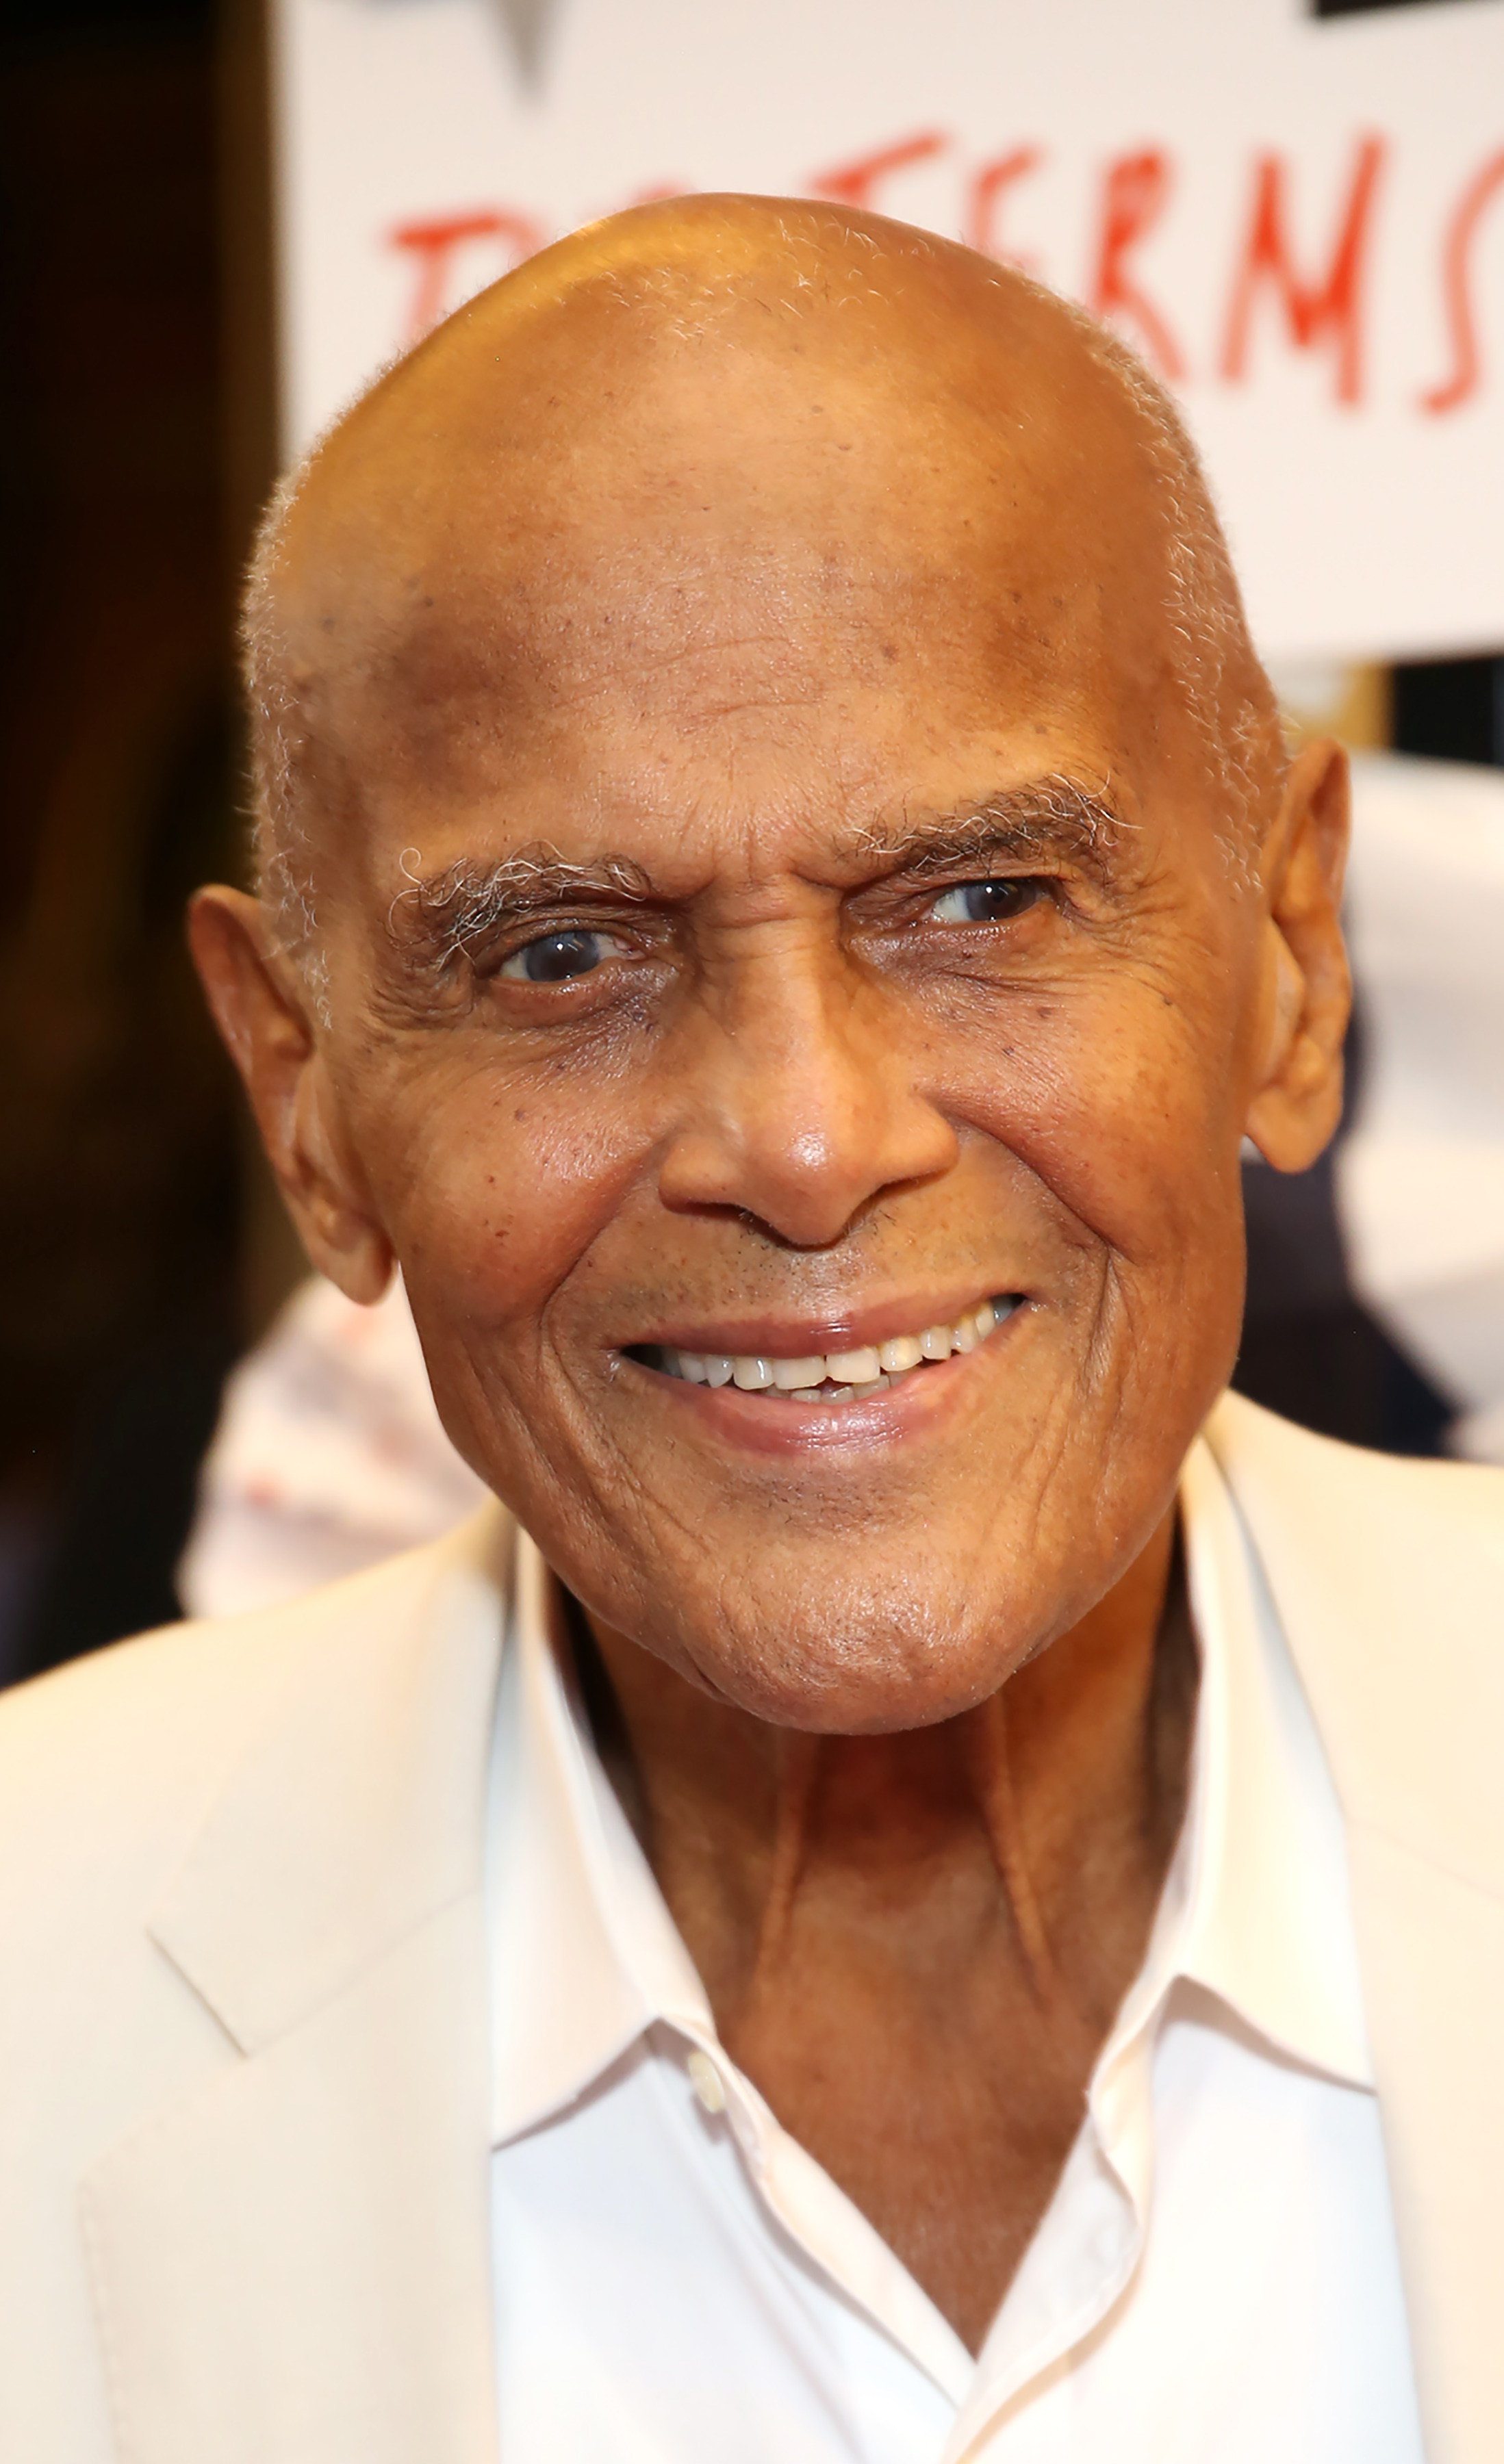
column 705, row 2081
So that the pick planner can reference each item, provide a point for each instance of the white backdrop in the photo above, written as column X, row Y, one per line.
column 1300, row 222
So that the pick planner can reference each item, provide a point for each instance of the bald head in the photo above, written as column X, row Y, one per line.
column 787, row 402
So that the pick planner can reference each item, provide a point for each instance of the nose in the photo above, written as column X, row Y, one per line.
column 801, row 1094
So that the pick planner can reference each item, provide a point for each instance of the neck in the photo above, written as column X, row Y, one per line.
column 914, row 1944
column 1055, row 1805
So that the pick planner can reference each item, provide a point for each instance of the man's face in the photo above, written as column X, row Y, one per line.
column 783, row 916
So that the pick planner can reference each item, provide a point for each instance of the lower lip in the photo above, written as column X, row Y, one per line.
column 760, row 1423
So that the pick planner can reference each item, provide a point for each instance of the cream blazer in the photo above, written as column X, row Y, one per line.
column 243, row 2091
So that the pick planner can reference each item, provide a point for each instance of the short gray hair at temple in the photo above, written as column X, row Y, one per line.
column 1236, row 721
column 1226, row 697
column 282, row 852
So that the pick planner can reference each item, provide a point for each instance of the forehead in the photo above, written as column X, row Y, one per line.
column 631, row 549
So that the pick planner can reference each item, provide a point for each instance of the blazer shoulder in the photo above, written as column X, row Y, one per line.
column 109, row 1763
column 1400, row 1498
column 1388, row 1576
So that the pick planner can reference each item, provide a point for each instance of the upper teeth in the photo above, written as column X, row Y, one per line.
column 838, row 1377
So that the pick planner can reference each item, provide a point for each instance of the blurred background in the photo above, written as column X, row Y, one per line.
column 170, row 248
column 138, row 1252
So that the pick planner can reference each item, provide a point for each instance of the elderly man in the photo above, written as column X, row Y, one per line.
column 923, row 1887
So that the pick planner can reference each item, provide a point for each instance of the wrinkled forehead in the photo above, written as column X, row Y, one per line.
column 625, row 502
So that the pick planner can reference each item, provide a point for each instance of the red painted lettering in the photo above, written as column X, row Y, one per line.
column 854, row 183
column 1135, row 192
column 434, row 244
column 987, row 187
column 1330, row 306
column 1467, row 365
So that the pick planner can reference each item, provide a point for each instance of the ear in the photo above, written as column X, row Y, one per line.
column 262, row 1011
column 1306, row 992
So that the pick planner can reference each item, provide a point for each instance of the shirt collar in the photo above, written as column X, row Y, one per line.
column 584, row 1955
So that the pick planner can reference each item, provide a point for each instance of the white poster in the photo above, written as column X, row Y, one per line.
column 1298, row 221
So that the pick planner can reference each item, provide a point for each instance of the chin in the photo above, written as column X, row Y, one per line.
column 873, row 1660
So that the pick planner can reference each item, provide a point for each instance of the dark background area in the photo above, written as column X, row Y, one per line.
column 123, row 464
column 139, row 1251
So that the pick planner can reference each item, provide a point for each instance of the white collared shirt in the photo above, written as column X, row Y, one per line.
column 1216, row 2280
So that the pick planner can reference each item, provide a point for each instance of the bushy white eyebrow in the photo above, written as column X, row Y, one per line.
column 446, row 912
column 1053, row 816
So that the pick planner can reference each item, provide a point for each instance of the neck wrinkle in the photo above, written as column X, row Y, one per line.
column 992, row 1772
column 797, row 1780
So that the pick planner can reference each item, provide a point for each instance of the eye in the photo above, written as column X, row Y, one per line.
column 557, row 958
column 985, row 902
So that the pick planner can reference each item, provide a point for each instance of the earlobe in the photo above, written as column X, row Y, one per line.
column 264, row 1020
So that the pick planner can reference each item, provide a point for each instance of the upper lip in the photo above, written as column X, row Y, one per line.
column 799, row 1339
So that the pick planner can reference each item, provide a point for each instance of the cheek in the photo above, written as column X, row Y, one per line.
column 1126, row 1109
column 494, row 1193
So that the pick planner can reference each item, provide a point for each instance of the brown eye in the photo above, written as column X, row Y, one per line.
column 557, row 958
column 984, row 902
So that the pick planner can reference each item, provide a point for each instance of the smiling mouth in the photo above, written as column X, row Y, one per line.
column 832, row 1377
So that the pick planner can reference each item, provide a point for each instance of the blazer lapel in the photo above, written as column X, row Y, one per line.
column 1388, row 1579
column 291, row 2264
